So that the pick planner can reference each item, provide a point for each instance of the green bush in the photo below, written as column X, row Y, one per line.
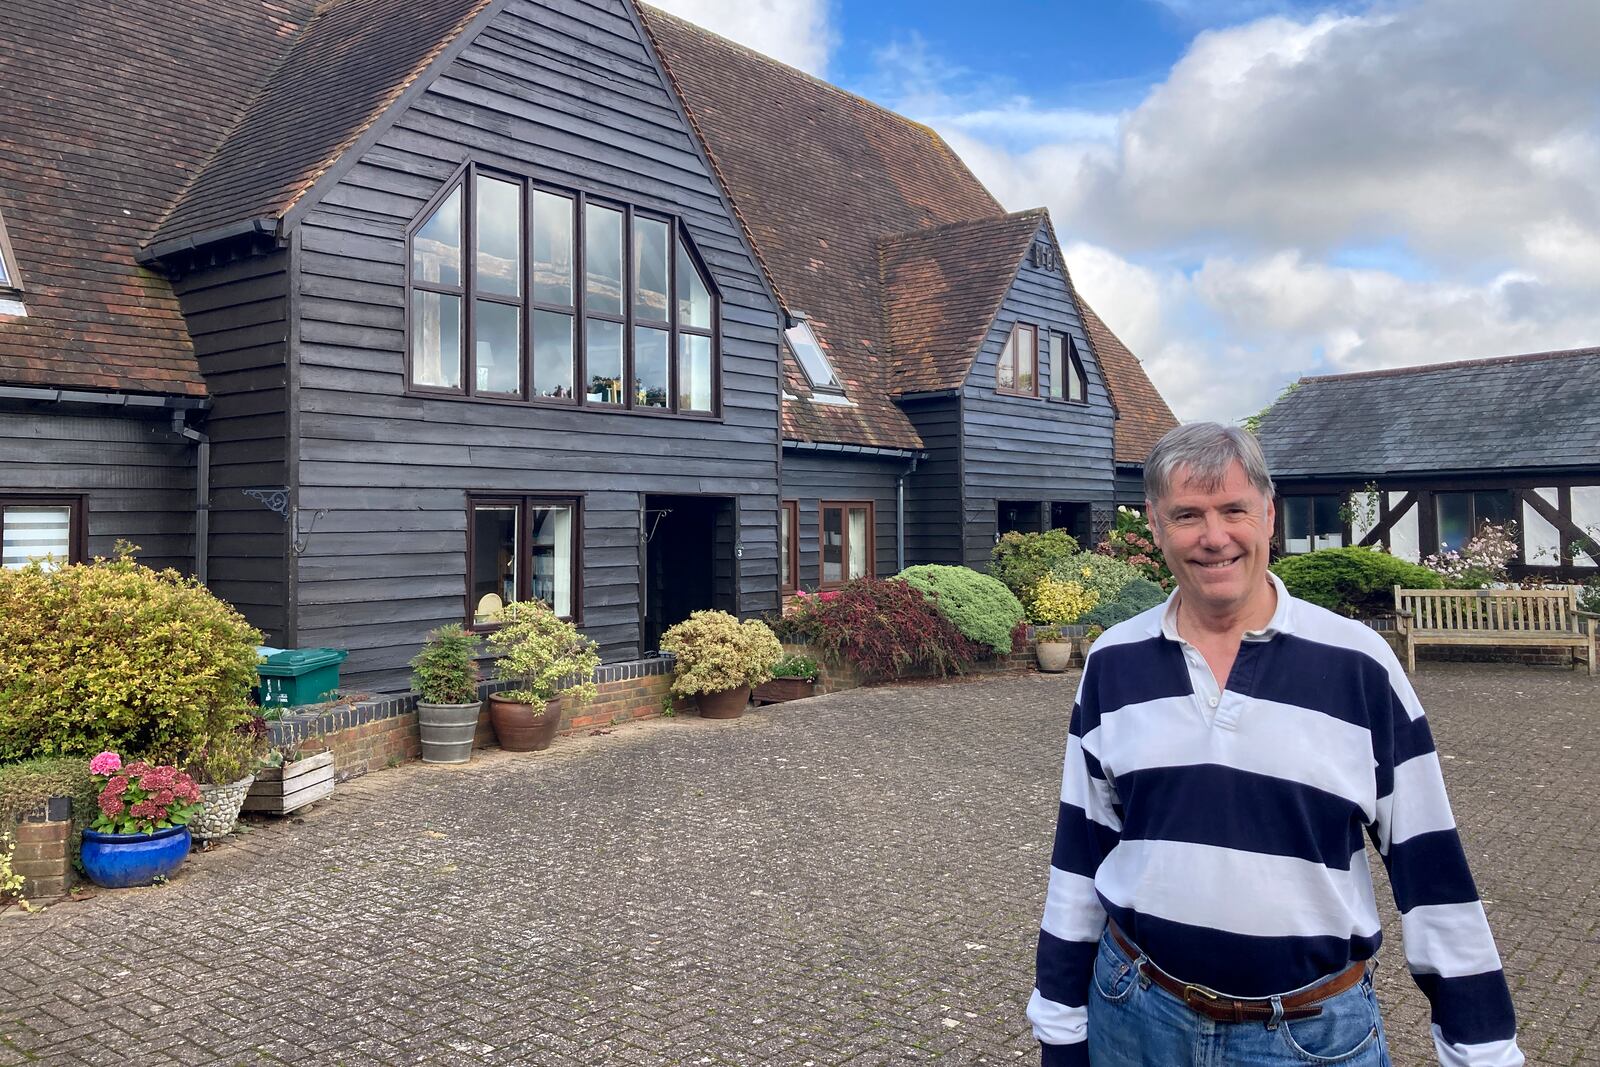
column 982, row 608
column 1103, row 576
column 1589, row 596
column 25, row 785
column 114, row 655
column 1357, row 582
column 1139, row 595
column 1019, row 560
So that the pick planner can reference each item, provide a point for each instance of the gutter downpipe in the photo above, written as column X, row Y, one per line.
column 202, row 494
column 900, row 513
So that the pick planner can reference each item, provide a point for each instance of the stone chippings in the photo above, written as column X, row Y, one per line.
column 854, row 879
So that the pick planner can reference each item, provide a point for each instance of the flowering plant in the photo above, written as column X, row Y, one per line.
column 140, row 798
column 1481, row 560
column 1132, row 542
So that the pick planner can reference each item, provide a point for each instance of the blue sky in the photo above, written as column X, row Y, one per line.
column 1248, row 191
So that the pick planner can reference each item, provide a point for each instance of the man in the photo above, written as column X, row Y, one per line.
column 1210, row 900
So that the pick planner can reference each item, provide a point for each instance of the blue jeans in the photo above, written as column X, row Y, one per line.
column 1135, row 1023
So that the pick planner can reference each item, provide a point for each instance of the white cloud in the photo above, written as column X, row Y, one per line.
column 1403, row 183
column 796, row 32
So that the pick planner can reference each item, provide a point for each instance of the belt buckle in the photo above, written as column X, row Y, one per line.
column 1205, row 991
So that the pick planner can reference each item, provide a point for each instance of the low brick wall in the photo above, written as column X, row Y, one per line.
column 42, row 853
column 373, row 734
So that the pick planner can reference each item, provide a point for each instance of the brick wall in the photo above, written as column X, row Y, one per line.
column 42, row 853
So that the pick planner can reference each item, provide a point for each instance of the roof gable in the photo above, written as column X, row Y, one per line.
column 1514, row 412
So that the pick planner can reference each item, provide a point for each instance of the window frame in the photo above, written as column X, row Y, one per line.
column 1011, row 348
column 844, row 507
column 833, row 388
column 77, row 522
column 524, row 503
column 12, row 286
column 1475, row 521
column 465, row 178
column 1288, row 501
column 1073, row 366
column 789, row 552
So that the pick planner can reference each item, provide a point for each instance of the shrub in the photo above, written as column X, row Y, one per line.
column 1059, row 600
column 795, row 667
column 540, row 652
column 1137, row 596
column 981, row 607
column 1019, row 560
column 1102, row 575
column 1589, row 597
column 444, row 672
column 1051, row 634
column 881, row 628
column 716, row 652
column 26, row 785
column 1351, row 581
column 1132, row 542
column 228, row 757
column 10, row 881
column 114, row 655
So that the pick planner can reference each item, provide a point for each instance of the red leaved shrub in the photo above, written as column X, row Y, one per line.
column 881, row 628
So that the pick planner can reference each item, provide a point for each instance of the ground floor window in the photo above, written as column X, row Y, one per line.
column 1461, row 515
column 518, row 549
column 789, row 546
column 846, row 536
column 1017, row 516
column 1311, row 522
column 39, row 527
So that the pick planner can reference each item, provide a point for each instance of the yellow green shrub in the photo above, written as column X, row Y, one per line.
column 114, row 655
column 1059, row 600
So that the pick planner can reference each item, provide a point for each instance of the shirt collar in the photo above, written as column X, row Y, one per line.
column 1282, row 621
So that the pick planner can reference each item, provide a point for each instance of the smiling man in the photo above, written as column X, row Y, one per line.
column 1210, row 900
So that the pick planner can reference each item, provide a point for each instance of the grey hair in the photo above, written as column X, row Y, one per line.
column 1205, row 451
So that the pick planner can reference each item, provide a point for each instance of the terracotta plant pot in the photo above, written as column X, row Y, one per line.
column 728, row 704
column 523, row 727
column 778, row 690
column 1054, row 656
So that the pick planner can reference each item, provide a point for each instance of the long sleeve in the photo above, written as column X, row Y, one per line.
column 1448, row 946
column 1087, row 829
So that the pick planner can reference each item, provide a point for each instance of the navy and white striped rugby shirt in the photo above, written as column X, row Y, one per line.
column 1223, row 830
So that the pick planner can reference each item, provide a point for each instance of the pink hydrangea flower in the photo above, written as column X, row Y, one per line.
column 105, row 763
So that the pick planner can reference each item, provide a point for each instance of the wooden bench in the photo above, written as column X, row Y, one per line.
column 1494, row 617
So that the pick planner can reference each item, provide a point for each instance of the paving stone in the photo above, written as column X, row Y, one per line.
column 854, row 879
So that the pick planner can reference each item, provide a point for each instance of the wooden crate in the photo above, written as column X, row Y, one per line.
column 281, row 790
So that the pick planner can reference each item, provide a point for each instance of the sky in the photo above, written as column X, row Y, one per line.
column 1249, row 191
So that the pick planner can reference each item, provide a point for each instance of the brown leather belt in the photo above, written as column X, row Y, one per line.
column 1213, row 1005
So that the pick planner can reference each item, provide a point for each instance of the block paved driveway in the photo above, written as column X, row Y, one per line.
column 854, row 879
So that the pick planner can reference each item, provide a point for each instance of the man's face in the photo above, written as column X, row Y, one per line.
column 1215, row 541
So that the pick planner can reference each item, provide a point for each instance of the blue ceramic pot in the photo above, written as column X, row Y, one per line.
column 117, row 861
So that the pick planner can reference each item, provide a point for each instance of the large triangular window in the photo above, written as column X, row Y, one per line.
column 10, row 276
column 812, row 359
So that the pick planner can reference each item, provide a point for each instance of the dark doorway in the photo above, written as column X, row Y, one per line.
column 1019, row 516
column 1075, row 519
column 689, row 560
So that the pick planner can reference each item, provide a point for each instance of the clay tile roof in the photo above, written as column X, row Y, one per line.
column 1142, row 415
column 819, row 177
column 1507, row 413
column 942, row 288
column 351, row 63
column 110, row 108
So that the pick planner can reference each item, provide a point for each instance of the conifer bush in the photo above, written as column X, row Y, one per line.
column 1357, row 582
column 981, row 607
column 1137, row 596
column 114, row 655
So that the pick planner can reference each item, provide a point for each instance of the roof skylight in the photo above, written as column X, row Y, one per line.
column 813, row 360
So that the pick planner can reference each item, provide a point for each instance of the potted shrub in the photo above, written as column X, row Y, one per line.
column 141, row 832
column 1090, row 635
column 719, row 659
column 289, row 779
column 793, row 678
column 1054, row 649
column 225, row 767
column 546, row 660
column 445, row 676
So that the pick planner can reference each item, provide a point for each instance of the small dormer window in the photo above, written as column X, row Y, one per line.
column 813, row 360
column 10, row 277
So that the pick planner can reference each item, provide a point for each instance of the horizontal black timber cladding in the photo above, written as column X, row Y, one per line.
column 566, row 93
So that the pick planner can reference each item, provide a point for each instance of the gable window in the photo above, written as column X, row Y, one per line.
column 33, row 528
column 1018, row 370
column 1067, row 378
column 812, row 359
column 846, row 536
column 521, row 292
column 1310, row 523
column 789, row 546
column 521, row 548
